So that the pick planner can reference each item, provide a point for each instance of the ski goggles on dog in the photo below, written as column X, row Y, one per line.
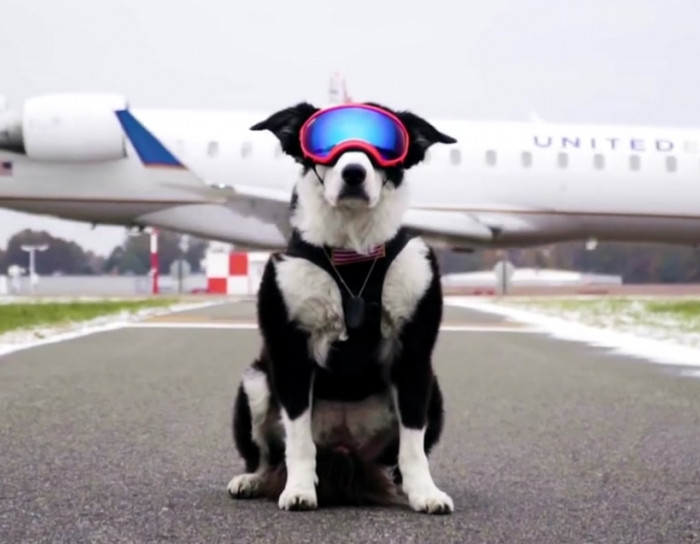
column 375, row 131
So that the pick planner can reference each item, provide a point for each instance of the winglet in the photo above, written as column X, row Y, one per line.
column 338, row 90
column 149, row 149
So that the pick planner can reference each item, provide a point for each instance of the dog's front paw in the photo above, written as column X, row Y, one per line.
column 298, row 498
column 245, row 486
column 431, row 501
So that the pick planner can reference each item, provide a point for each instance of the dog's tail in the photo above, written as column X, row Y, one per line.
column 345, row 478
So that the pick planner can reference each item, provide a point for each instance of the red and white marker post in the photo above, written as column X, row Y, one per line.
column 154, row 261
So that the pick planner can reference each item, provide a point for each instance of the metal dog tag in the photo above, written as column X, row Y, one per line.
column 354, row 312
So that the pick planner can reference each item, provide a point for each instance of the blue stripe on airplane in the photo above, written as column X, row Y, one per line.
column 149, row 149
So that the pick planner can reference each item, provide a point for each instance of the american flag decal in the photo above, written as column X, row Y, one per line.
column 348, row 256
column 5, row 168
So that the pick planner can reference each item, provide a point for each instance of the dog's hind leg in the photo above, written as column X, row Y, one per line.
column 250, row 412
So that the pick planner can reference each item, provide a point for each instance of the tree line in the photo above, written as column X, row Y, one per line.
column 132, row 256
column 635, row 262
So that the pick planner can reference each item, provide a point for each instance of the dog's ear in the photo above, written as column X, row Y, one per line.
column 286, row 124
column 422, row 135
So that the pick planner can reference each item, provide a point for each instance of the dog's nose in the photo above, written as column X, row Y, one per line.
column 354, row 174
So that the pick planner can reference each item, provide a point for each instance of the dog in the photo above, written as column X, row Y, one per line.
column 342, row 405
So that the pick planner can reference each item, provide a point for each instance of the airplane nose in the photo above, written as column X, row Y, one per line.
column 354, row 174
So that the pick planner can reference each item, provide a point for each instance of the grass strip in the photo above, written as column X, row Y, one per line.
column 19, row 316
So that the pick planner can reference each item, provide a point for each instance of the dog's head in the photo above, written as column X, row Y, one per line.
column 356, row 186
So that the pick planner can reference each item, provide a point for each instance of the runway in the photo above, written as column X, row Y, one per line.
column 124, row 436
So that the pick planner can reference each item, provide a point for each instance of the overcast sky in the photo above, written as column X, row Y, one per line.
column 621, row 61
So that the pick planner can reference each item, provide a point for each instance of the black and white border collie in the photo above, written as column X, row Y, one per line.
column 342, row 405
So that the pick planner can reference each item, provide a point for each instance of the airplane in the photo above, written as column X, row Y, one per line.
column 93, row 158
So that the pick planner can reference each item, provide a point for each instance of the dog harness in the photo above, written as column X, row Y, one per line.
column 360, row 279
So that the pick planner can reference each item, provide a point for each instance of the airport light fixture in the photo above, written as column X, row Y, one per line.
column 32, row 249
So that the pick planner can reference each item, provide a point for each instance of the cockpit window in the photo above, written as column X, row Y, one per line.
column 491, row 157
column 562, row 160
column 671, row 164
column 635, row 162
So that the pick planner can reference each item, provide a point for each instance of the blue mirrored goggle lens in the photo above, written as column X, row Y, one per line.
column 340, row 125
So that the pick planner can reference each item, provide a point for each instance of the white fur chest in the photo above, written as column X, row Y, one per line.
column 314, row 301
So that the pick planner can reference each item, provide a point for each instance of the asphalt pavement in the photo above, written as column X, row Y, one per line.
column 124, row 436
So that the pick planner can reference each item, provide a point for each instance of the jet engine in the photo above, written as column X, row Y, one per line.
column 66, row 128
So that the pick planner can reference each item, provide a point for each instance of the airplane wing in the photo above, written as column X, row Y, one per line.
column 218, row 222
column 448, row 224
column 268, row 205
column 272, row 206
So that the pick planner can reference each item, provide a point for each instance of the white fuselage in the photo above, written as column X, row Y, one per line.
column 531, row 183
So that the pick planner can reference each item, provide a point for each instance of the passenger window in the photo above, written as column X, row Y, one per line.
column 246, row 149
column 526, row 158
column 213, row 149
column 562, row 160
column 491, row 157
column 455, row 156
column 671, row 164
column 635, row 162
column 598, row 161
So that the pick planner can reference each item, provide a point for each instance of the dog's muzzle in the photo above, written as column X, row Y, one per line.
column 354, row 176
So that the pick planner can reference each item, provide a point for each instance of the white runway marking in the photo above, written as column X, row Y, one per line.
column 253, row 326
column 192, row 325
column 167, row 318
column 655, row 351
column 489, row 328
column 520, row 321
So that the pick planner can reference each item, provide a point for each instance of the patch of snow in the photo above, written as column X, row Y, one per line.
column 640, row 344
column 624, row 315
